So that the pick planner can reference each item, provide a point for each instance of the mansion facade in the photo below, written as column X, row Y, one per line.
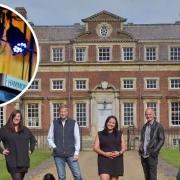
column 104, row 67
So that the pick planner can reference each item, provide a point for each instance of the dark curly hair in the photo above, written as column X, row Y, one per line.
column 105, row 131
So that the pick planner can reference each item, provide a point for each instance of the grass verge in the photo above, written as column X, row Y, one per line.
column 171, row 156
column 36, row 158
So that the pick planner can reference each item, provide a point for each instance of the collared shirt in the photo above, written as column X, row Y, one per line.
column 50, row 137
column 146, row 139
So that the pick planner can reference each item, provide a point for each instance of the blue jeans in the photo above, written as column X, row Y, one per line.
column 73, row 165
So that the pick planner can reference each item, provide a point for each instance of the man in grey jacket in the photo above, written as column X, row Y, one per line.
column 64, row 139
column 152, row 139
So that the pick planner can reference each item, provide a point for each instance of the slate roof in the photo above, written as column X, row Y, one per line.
column 154, row 31
column 58, row 33
column 139, row 32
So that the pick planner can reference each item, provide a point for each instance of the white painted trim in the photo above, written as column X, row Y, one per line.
column 87, row 110
column 4, row 114
column 39, row 113
column 133, row 51
column 169, row 83
column 39, row 86
column 122, row 101
column 169, row 52
column 63, row 53
column 101, row 67
column 104, row 46
column 79, row 79
column 151, row 78
column 57, row 79
column 156, row 52
column 128, row 78
column 169, row 107
column 86, row 53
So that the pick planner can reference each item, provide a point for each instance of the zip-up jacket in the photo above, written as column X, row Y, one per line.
column 157, row 139
column 64, row 138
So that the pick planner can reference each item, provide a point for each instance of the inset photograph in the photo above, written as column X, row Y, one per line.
column 19, row 55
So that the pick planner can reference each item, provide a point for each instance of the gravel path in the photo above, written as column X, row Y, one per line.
column 88, row 164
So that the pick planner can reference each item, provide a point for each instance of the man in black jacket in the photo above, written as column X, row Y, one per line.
column 152, row 139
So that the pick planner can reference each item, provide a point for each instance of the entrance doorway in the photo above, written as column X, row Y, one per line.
column 103, row 111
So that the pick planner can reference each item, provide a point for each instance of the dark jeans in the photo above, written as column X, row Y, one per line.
column 178, row 175
column 150, row 167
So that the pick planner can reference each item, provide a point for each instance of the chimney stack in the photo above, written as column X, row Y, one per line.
column 22, row 11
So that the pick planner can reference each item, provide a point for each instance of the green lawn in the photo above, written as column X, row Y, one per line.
column 36, row 158
column 172, row 156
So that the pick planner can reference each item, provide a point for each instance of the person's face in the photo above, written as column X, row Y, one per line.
column 111, row 124
column 63, row 113
column 17, row 119
column 149, row 114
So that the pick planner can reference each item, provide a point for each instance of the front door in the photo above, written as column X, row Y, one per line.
column 104, row 110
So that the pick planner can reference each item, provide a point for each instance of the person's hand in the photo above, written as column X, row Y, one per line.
column 76, row 157
column 115, row 154
column 108, row 154
column 6, row 152
column 153, row 153
column 30, row 152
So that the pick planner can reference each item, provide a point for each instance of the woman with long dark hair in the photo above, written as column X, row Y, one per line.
column 110, row 146
column 19, row 143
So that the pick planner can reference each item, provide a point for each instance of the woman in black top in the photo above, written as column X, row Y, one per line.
column 18, row 143
column 110, row 146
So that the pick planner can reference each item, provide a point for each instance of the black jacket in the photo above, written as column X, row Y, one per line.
column 157, row 139
column 19, row 145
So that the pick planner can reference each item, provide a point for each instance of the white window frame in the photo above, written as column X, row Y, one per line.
column 170, row 117
column 110, row 53
column 39, row 113
column 58, row 79
column 63, row 53
column 169, row 83
column 80, row 79
column 175, row 141
column 51, row 107
column 128, row 78
column 39, row 85
column 157, row 108
column 133, row 53
column 134, row 102
column 75, row 102
column 4, row 116
column 169, row 52
column 85, row 56
column 145, row 53
column 151, row 78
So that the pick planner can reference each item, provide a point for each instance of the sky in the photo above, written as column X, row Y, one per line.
column 68, row 12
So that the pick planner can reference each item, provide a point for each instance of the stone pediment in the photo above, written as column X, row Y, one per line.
column 104, row 16
column 119, row 36
column 104, row 27
column 104, row 86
